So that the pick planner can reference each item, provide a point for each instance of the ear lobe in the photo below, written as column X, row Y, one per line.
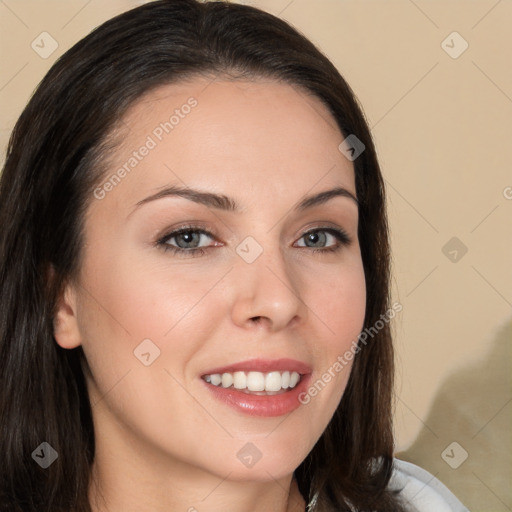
column 65, row 321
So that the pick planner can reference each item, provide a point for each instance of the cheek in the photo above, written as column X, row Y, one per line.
column 131, row 299
column 133, row 296
column 340, row 308
column 340, row 304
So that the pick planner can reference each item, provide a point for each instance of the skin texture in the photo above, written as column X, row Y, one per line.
column 162, row 441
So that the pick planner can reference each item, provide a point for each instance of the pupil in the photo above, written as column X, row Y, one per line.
column 187, row 237
column 314, row 237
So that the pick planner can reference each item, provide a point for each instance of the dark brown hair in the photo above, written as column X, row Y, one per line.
column 55, row 157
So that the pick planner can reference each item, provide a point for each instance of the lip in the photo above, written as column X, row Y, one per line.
column 263, row 366
column 262, row 405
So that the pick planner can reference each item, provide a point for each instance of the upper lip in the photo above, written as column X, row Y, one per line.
column 263, row 366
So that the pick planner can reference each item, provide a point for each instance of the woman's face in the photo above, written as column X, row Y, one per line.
column 156, row 325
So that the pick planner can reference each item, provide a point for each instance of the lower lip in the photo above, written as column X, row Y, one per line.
column 261, row 405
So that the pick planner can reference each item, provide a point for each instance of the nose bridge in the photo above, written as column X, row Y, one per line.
column 266, row 285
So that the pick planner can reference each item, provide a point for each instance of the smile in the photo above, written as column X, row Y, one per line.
column 255, row 382
column 259, row 387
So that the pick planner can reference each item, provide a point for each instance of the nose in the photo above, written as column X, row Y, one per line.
column 267, row 292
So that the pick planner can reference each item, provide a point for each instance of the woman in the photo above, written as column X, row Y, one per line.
column 249, row 370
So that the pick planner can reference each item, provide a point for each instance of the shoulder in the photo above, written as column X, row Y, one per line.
column 421, row 491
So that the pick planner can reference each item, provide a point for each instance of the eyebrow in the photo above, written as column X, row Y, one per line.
column 223, row 202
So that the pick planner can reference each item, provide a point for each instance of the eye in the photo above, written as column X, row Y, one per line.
column 186, row 240
column 321, row 236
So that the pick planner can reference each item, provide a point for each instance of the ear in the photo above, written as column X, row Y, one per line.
column 65, row 321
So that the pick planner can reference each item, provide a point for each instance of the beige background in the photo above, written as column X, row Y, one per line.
column 442, row 127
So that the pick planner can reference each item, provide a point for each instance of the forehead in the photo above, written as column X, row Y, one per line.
column 258, row 138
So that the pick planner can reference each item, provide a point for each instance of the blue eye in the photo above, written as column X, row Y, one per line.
column 187, row 235
column 188, row 238
column 313, row 236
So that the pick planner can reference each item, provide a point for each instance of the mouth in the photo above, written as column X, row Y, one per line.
column 256, row 383
column 260, row 387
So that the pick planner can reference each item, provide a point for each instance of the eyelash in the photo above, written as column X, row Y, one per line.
column 339, row 234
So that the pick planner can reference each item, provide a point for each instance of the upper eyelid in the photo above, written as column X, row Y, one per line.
column 186, row 229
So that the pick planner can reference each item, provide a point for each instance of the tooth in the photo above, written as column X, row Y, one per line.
column 216, row 379
column 239, row 380
column 227, row 380
column 256, row 381
column 273, row 381
column 294, row 378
